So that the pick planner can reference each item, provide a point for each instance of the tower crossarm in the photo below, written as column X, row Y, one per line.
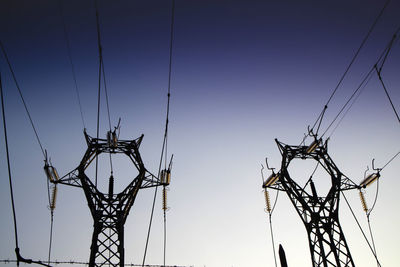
column 71, row 178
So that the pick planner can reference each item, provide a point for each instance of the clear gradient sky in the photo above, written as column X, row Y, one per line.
column 244, row 73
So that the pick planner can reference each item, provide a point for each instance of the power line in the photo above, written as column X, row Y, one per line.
column 369, row 222
column 360, row 86
column 390, row 160
column 320, row 117
column 17, row 251
column 387, row 94
column 22, row 98
column 166, row 122
column 359, row 226
column 351, row 105
column 9, row 168
column 378, row 72
column 164, row 149
column 71, row 61
column 99, row 87
column 349, row 100
column 272, row 239
column 86, row 263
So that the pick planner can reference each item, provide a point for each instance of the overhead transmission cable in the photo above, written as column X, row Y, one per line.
column 9, row 171
column 384, row 166
column 379, row 71
column 164, row 149
column 19, row 257
column 166, row 120
column 17, row 250
column 321, row 116
column 101, row 75
column 359, row 87
column 67, row 41
column 270, row 211
column 101, row 79
column 87, row 263
column 99, row 86
column 368, row 213
column 362, row 231
column 351, row 105
column 54, row 191
column 22, row 98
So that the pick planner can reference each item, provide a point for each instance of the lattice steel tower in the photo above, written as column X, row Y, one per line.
column 109, row 210
column 320, row 215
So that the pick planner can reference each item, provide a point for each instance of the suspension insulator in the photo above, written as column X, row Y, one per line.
column 111, row 187
column 53, row 198
column 363, row 202
column 370, row 179
column 267, row 201
column 164, row 207
column 109, row 138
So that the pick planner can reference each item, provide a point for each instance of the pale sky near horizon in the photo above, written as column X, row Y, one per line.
column 244, row 73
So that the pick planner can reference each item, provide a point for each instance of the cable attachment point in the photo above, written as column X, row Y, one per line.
column 50, row 171
column 20, row 258
column 313, row 146
column 272, row 178
column 165, row 175
column 112, row 136
column 372, row 177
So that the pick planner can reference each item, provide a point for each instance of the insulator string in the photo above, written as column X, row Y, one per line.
column 363, row 202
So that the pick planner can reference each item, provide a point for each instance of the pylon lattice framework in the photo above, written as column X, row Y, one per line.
column 320, row 215
column 109, row 211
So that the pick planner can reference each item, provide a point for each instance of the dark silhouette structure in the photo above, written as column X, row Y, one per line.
column 282, row 256
column 320, row 215
column 109, row 210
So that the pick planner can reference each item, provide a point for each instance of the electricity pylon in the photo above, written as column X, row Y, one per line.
column 320, row 215
column 109, row 210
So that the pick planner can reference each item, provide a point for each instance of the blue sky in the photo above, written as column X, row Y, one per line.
column 244, row 73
